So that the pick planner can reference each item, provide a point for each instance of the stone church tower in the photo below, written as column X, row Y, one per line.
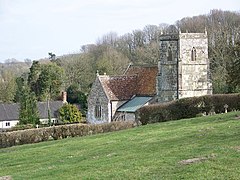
column 183, row 66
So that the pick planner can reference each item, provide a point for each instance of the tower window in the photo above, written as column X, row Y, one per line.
column 169, row 55
column 98, row 110
column 193, row 54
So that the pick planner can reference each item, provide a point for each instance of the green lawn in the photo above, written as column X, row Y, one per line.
column 148, row 152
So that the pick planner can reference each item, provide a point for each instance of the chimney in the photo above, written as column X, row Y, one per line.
column 64, row 97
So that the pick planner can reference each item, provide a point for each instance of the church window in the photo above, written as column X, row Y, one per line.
column 193, row 54
column 169, row 55
column 98, row 110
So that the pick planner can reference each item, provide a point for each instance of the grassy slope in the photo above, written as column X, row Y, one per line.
column 148, row 152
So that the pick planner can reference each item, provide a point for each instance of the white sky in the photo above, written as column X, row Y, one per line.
column 32, row 28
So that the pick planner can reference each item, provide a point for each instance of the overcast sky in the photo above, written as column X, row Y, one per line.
column 32, row 28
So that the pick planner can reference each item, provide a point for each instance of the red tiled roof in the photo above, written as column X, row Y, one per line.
column 119, row 87
column 137, row 80
column 146, row 78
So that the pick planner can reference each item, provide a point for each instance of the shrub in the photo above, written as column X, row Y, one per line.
column 69, row 114
column 188, row 108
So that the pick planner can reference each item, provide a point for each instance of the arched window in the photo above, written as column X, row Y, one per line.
column 169, row 55
column 98, row 109
column 193, row 54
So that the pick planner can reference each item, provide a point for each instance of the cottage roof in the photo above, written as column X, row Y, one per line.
column 43, row 109
column 137, row 80
column 10, row 112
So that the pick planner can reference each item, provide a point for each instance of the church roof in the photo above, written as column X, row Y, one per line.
column 146, row 78
column 119, row 87
column 137, row 80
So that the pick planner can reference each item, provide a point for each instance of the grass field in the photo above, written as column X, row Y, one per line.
column 199, row 148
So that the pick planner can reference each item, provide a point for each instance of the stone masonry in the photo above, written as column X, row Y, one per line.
column 183, row 66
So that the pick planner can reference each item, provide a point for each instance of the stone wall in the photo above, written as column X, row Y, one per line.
column 97, row 95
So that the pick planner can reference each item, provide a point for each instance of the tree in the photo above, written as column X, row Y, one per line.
column 28, row 111
column 112, row 62
column 69, row 113
column 50, row 81
column 233, row 70
column 46, row 80
column 80, row 69
column 53, row 58
column 33, row 77
column 7, row 87
column 76, row 96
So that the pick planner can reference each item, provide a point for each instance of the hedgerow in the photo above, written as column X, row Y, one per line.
column 188, row 108
column 28, row 136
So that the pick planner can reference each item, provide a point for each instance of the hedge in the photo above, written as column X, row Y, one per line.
column 188, row 108
column 28, row 136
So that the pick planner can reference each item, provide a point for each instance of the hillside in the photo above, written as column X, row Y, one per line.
column 203, row 147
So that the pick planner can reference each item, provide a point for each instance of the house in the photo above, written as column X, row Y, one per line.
column 182, row 71
column 9, row 113
column 109, row 93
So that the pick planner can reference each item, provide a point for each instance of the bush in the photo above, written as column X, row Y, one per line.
column 188, row 108
column 28, row 136
column 69, row 113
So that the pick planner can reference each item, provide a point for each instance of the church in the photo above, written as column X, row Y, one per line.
column 182, row 71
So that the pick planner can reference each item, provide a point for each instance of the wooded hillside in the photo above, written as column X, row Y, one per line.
column 112, row 53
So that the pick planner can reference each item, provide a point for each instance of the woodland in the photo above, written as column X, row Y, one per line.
column 44, row 79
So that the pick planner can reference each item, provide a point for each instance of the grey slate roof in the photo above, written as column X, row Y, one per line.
column 54, row 106
column 134, row 104
column 10, row 112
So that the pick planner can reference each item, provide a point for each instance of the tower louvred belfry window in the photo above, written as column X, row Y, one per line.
column 193, row 54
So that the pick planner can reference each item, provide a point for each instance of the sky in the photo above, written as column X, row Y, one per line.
column 29, row 29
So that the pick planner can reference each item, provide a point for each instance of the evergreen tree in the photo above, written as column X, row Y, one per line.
column 46, row 80
column 234, row 69
column 76, row 96
column 28, row 110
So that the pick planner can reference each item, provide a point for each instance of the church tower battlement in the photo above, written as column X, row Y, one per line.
column 183, row 66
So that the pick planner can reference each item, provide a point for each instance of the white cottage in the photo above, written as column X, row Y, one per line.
column 9, row 113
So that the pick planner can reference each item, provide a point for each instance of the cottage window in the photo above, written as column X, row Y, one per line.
column 98, row 110
column 55, row 121
column 170, row 54
column 7, row 123
column 193, row 54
